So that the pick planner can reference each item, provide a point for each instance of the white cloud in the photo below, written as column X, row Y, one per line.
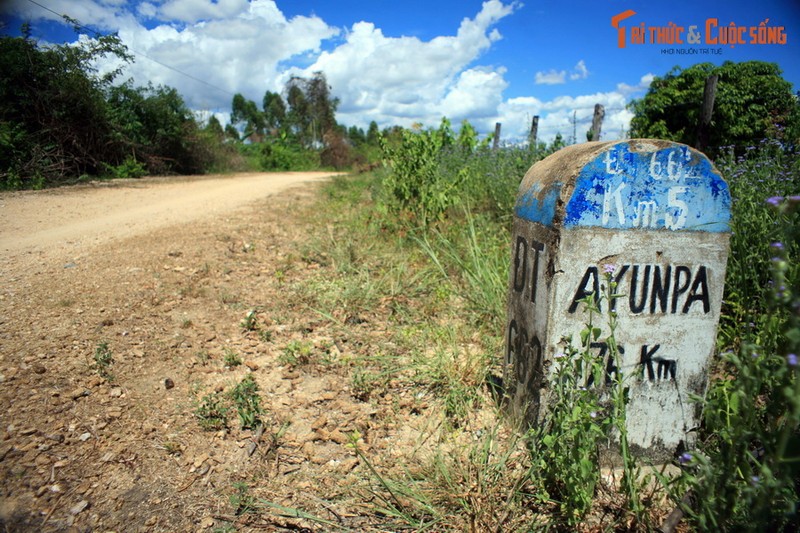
column 557, row 77
column 378, row 77
column 580, row 72
column 191, row 11
column 147, row 10
column 237, row 49
column 251, row 47
column 551, row 77
column 566, row 115
column 644, row 83
column 476, row 95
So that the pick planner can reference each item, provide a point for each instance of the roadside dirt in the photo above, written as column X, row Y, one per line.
column 163, row 273
column 71, row 219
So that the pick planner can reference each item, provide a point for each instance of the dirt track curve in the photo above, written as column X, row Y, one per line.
column 69, row 220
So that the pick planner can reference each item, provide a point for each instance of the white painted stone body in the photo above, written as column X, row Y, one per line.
column 657, row 212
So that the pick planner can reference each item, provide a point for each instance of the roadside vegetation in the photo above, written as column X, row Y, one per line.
column 63, row 122
column 429, row 235
column 424, row 238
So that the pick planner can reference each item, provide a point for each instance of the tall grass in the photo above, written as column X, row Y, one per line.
column 745, row 476
column 440, row 276
column 746, row 472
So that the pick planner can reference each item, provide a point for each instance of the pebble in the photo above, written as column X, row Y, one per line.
column 79, row 393
column 200, row 460
column 320, row 422
column 168, row 383
column 85, row 436
column 338, row 437
column 79, row 507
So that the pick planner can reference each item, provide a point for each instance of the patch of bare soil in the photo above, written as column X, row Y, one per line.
column 115, row 444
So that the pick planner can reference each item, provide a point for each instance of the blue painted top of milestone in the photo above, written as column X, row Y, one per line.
column 674, row 188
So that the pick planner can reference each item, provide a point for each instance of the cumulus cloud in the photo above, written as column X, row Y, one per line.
column 580, row 72
column 191, row 11
column 557, row 77
column 644, row 83
column 378, row 76
column 565, row 115
column 551, row 77
column 210, row 49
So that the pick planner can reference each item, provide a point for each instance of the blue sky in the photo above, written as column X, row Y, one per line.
column 414, row 61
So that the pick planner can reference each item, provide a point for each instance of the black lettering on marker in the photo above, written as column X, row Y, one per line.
column 660, row 288
column 520, row 263
column 667, row 368
column 679, row 288
column 537, row 247
column 511, row 342
column 584, row 288
column 638, row 307
column 646, row 360
column 699, row 291
column 617, row 277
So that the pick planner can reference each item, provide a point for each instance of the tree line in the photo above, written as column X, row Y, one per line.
column 61, row 121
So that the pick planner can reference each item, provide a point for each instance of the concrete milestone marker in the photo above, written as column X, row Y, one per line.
column 656, row 212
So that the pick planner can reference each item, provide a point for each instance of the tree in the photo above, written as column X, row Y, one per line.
column 231, row 132
column 312, row 109
column 299, row 114
column 245, row 113
column 54, row 120
column 356, row 136
column 373, row 134
column 752, row 102
column 214, row 127
column 154, row 126
column 322, row 105
column 274, row 111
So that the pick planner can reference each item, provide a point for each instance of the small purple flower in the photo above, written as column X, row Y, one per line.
column 609, row 269
column 559, row 355
column 775, row 200
column 754, row 355
column 777, row 244
column 593, row 414
column 791, row 359
column 755, row 480
column 685, row 458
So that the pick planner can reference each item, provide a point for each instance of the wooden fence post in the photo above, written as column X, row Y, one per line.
column 496, row 143
column 704, row 128
column 534, row 131
column 597, row 122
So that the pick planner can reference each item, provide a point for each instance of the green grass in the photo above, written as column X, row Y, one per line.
column 103, row 359
column 212, row 412
column 231, row 359
column 422, row 300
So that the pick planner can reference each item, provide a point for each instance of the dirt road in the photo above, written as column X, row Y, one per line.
column 70, row 219
column 121, row 313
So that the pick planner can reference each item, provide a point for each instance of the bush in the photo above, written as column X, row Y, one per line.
column 275, row 155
